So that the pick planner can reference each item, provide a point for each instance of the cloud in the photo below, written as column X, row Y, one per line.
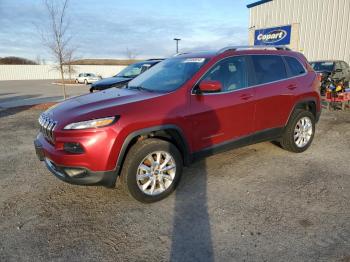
column 105, row 30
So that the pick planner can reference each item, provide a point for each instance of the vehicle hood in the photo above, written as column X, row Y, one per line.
column 97, row 105
column 111, row 81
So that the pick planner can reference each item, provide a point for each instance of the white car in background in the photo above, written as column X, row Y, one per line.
column 87, row 78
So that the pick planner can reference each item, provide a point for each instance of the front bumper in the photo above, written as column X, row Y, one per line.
column 84, row 177
column 91, row 81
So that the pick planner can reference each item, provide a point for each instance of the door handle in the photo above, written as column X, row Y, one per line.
column 246, row 96
column 292, row 86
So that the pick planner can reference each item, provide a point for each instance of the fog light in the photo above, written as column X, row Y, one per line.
column 74, row 148
column 74, row 172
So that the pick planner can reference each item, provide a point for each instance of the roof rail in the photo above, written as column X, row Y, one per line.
column 253, row 47
column 154, row 59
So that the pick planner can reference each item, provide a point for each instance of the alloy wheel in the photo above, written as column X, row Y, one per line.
column 303, row 131
column 156, row 173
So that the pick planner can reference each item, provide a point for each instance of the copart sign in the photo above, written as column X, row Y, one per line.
column 273, row 36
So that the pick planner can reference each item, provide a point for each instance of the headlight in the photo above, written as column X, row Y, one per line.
column 94, row 123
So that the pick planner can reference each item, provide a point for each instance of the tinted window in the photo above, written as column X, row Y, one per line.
column 294, row 65
column 145, row 67
column 268, row 68
column 131, row 71
column 230, row 72
column 323, row 66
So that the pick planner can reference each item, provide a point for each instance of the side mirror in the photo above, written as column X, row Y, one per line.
column 209, row 86
column 339, row 70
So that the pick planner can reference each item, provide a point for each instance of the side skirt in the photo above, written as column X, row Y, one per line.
column 261, row 136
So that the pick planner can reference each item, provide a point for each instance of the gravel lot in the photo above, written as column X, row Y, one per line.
column 257, row 203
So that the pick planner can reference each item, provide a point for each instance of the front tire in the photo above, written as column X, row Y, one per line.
column 152, row 170
column 299, row 132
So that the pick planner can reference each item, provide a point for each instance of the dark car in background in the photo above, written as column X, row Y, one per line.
column 124, row 76
column 336, row 69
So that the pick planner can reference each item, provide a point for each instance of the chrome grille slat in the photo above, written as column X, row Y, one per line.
column 49, row 129
column 47, row 126
column 52, row 128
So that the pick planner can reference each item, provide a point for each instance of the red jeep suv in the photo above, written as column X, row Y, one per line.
column 186, row 107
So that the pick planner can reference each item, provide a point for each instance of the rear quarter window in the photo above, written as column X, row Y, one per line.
column 295, row 66
column 268, row 68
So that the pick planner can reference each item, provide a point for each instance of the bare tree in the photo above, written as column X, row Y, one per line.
column 130, row 54
column 38, row 59
column 56, row 37
column 69, row 59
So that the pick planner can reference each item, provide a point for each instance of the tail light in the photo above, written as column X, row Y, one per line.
column 319, row 77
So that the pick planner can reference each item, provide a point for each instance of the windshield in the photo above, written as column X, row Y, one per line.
column 322, row 66
column 131, row 71
column 168, row 75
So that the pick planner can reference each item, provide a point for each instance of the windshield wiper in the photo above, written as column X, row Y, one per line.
column 122, row 76
column 139, row 88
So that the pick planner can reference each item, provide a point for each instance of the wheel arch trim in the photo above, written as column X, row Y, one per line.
column 184, row 143
column 302, row 102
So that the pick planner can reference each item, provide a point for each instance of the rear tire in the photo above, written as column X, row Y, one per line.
column 299, row 132
column 140, row 174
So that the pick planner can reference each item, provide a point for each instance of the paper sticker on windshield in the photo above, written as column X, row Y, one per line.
column 327, row 63
column 194, row 60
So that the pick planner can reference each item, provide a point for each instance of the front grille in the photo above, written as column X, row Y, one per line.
column 47, row 126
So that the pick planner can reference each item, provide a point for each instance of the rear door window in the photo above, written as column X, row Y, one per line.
column 268, row 68
column 294, row 65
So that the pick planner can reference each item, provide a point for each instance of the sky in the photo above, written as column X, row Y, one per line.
column 107, row 28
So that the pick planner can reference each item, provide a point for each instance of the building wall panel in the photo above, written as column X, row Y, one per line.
column 324, row 25
column 31, row 72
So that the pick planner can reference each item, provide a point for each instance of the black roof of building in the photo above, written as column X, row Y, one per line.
column 258, row 3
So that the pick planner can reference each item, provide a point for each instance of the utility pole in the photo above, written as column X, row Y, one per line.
column 177, row 44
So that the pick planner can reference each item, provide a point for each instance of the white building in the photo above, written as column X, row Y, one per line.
column 318, row 28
